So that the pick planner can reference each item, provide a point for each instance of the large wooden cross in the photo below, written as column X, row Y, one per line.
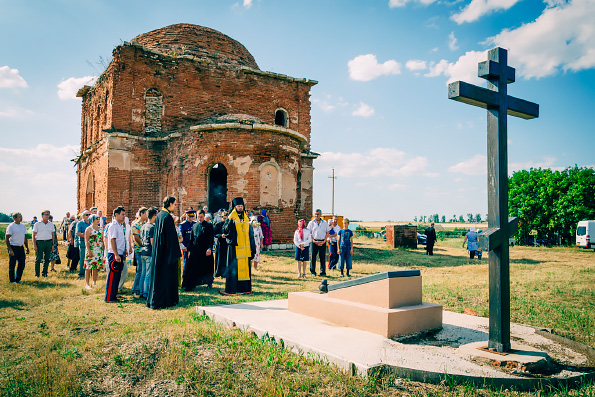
column 500, row 227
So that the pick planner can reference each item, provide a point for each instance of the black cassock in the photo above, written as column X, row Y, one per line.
column 163, row 285
column 199, row 267
column 220, row 250
column 232, row 284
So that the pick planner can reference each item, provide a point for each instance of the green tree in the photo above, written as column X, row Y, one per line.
column 5, row 217
column 443, row 218
column 551, row 202
column 477, row 218
column 415, row 219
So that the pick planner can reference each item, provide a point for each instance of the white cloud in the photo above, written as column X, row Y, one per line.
column 363, row 110
column 247, row 3
column 54, row 179
column 452, row 41
column 379, row 162
column 465, row 68
column 17, row 170
column 10, row 78
column 397, row 186
column 68, row 88
column 403, row 3
column 416, row 64
column 15, row 112
column 41, row 151
column 562, row 37
column 329, row 103
column 477, row 8
column 477, row 165
column 366, row 68
column 547, row 162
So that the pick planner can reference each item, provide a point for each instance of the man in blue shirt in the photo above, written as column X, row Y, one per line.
column 345, row 246
column 81, row 226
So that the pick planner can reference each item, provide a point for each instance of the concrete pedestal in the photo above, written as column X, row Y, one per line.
column 387, row 304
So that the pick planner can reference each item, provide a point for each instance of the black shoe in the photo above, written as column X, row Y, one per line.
column 313, row 273
column 210, row 286
column 322, row 274
column 342, row 275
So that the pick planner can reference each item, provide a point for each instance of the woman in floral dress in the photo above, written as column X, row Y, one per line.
column 94, row 256
column 258, row 237
column 54, row 255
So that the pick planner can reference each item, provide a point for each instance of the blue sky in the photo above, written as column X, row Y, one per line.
column 380, row 113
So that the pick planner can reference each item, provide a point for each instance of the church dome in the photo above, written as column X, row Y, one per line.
column 199, row 41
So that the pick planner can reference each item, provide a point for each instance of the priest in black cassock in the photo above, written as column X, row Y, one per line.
column 200, row 265
column 163, row 284
column 238, row 269
column 220, row 246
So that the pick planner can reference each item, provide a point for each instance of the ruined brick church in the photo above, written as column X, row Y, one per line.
column 186, row 111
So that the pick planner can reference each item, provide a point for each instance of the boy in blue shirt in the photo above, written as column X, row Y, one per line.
column 345, row 244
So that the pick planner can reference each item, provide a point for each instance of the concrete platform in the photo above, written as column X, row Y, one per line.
column 429, row 359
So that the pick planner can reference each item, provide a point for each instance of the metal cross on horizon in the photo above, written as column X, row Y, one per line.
column 500, row 227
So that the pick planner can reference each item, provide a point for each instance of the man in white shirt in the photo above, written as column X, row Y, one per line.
column 43, row 242
column 333, row 257
column 64, row 225
column 116, row 253
column 16, row 238
column 319, row 229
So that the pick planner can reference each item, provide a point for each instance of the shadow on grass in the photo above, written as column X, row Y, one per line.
column 526, row 261
column 13, row 304
column 45, row 284
column 402, row 257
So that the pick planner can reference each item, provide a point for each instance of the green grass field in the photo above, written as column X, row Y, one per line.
column 58, row 339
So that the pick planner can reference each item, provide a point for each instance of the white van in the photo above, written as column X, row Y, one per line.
column 585, row 234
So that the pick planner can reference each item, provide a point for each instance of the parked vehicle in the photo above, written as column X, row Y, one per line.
column 422, row 239
column 585, row 234
column 539, row 241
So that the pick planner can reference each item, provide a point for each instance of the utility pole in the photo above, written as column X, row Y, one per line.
column 333, row 177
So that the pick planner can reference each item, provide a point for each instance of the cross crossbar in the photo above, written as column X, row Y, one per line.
column 493, row 237
column 484, row 98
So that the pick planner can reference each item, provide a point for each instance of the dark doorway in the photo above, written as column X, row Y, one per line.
column 217, row 188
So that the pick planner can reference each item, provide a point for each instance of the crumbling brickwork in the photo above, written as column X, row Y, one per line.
column 185, row 111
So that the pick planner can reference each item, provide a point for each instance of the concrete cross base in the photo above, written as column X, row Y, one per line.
column 520, row 359
column 378, row 320
column 432, row 358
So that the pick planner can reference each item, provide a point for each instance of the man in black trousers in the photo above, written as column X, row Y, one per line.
column 430, row 239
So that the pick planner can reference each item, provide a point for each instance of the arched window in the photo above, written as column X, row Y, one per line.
column 218, row 188
column 269, row 184
column 153, row 111
column 282, row 117
column 90, row 193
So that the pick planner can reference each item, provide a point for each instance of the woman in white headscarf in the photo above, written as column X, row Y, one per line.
column 471, row 240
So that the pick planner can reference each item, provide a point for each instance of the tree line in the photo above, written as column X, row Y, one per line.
column 551, row 203
column 471, row 218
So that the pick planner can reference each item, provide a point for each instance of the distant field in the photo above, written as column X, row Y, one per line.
column 438, row 226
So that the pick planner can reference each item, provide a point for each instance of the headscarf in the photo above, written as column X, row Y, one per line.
column 301, row 227
column 92, row 217
column 471, row 229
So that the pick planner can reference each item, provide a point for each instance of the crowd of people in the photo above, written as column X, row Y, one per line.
column 170, row 252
